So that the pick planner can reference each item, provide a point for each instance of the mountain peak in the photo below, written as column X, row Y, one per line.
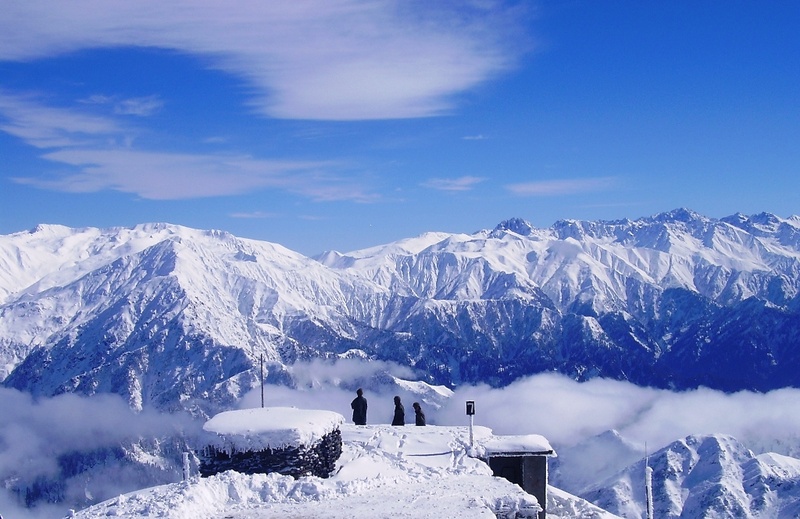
column 515, row 225
column 681, row 214
column 657, row 300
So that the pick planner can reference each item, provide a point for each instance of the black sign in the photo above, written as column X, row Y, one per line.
column 470, row 407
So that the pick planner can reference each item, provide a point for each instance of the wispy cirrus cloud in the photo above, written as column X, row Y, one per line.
column 316, row 59
column 253, row 215
column 173, row 176
column 561, row 186
column 100, row 155
column 50, row 127
column 465, row 183
column 139, row 106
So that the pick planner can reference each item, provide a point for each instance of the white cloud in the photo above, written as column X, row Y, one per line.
column 100, row 154
column 315, row 59
column 253, row 215
column 97, row 99
column 561, row 187
column 217, row 139
column 172, row 176
column 139, row 106
column 48, row 127
column 465, row 183
column 33, row 433
column 331, row 386
column 567, row 412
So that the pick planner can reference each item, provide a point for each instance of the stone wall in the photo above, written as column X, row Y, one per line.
column 315, row 460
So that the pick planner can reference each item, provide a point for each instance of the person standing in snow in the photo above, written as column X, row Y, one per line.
column 359, row 406
column 399, row 412
column 418, row 414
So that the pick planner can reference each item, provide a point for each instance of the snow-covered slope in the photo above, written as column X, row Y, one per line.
column 602, row 263
column 171, row 316
column 384, row 471
column 579, row 467
column 706, row 476
column 159, row 313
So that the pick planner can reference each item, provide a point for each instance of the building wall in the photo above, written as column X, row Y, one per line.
column 527, row 471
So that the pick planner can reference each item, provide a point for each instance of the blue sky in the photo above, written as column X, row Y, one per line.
column 342, row 124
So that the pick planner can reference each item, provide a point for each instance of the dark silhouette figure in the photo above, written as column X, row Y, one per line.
column 419, row 416
column 359, row 405
column 399, row 412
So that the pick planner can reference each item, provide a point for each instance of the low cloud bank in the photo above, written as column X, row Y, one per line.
column 567, row 412
column 331, row 386
column 563, row 410
column 35, row 434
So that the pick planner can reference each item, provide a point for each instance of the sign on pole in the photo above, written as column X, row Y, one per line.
column 471, row 414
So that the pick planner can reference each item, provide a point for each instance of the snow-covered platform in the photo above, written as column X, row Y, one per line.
column 520, row 459
column 383, row 472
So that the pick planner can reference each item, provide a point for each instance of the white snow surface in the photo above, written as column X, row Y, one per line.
column 384, row 472
column 710, row 476
column 271, row 427
column 125, row 289
column 518, row 443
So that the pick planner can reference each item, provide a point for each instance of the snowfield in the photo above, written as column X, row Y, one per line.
column 384, row 471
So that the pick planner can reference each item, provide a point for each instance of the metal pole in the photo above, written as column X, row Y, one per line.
column 262, row 380
column 648, row 483
column 471, row 421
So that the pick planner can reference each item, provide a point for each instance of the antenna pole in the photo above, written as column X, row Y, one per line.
column 262, row 380
column 648, row 484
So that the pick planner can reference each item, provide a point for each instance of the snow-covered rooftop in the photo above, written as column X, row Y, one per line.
column 271, row 427
column 526, row 443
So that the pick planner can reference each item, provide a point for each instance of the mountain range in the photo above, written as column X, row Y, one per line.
column 180, row 319
column 175, row 317
column 699, row 476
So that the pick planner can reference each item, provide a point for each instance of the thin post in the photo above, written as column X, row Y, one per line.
column 648, row 484
column 262, row 380
column 471, row 414
column 187, row 471
column 471, row 422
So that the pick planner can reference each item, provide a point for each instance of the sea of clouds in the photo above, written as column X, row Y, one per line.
column 34, row 432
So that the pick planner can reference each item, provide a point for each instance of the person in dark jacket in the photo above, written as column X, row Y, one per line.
column 399, row 412
column 359, row 406
column 418, row 414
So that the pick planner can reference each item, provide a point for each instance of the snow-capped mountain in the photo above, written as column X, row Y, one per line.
column 706, row 476
column 580, row 467
column 161, row 313
column 167, row 315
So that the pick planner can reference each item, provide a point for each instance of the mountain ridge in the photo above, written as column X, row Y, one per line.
column 172, row 316
column 712, row 475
